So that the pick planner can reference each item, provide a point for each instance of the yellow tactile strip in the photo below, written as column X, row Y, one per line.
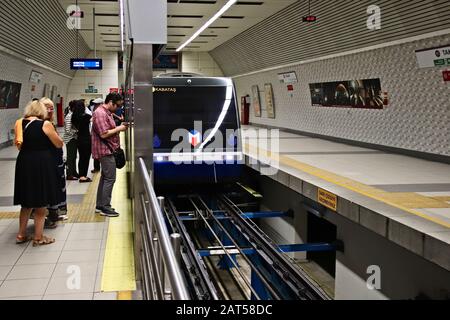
column 118, row 268
column 83, row 212
column 125, row 295
column 9, row 215
column 403, row 201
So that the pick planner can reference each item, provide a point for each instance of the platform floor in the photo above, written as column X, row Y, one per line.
column 100, row 248
column 418, row 187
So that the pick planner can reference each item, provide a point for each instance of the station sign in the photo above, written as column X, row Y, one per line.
column 327, row 199
column 288, row 77
column 86, row 64
column 121, row 91
column 433, row 57
column 310, row 19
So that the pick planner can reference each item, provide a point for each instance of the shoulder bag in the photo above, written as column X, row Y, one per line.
column 119, row 154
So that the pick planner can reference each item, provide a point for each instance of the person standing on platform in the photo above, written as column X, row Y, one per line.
column 96, row 103
column 81, row 121
column 36, row 183
column 59, row 211
column 70, row 139
column 105, row 140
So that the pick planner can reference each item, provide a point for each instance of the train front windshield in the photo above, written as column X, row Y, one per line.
column 187, row 113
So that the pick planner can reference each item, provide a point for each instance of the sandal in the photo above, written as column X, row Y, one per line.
column 22, row 239
column 43, row 241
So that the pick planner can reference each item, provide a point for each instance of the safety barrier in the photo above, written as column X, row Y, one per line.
column 162, row 278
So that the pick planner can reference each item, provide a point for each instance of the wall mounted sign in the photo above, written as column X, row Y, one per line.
column 35, row 77
column 86, row 64
column 327, row 199
column 362, row 94
column 433, row 57
column 255, row 101
column 9, row 94
column 269, row 101
column 288, row 77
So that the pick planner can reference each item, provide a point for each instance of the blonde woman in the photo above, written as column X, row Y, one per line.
column 36, row 180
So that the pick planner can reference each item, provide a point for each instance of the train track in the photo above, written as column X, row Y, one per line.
column 215, row 224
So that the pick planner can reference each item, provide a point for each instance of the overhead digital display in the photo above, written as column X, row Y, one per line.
column 86, row 64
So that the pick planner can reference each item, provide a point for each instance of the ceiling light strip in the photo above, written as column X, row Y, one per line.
column 121, row 25
column 208, row 23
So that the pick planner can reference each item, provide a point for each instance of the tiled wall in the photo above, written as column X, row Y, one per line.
column 418, row 115
column 102, row 80
column 201, row 63
column 15, row 70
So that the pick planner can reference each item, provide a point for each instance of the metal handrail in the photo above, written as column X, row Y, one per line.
column 161, row 244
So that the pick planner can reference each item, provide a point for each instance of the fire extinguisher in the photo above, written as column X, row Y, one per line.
column 245, row 110
column 60, row 111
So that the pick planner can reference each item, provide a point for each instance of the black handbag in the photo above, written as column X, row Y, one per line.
column 119, row 154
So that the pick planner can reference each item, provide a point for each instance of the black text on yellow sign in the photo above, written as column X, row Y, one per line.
column 327, row 199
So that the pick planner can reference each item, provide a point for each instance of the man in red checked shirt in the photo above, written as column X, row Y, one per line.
column 105, row 140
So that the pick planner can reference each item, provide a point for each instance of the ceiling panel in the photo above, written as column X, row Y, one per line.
column 184, row 19
column 218, row 34
column 107, row 21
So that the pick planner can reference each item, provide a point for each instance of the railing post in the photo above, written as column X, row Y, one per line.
column 161, row 201
column 164, row 252
column 175, row 239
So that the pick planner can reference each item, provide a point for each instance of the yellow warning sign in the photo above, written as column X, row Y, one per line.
column 327, row 199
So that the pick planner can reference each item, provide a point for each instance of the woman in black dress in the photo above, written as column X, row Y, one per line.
column 81, row 121
column 36, row 180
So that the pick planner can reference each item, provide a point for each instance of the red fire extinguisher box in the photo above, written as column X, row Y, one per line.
column 245, row 110
column 60, row 112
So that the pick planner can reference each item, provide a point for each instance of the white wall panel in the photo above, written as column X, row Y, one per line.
column 418, row 115
column 15, row 70
column 342, row 26
column 201, row 63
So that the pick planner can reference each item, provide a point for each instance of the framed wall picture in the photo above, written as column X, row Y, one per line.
column 9, row 94
column 36, row 77
column 46, row 90
column 269, row 101
column 256, row 101
column 54, row 94
column 356, row 94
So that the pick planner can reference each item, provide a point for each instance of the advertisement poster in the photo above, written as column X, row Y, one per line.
column 166, row 61
column 269, row 101
column 361, row 94
column 256, row 102
column 9, row 94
